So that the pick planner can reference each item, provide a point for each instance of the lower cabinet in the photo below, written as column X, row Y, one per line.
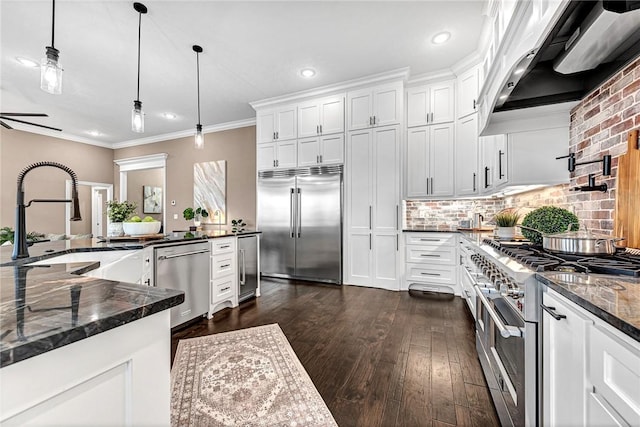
column 431, row 262
column 590, row 370
column 224, row 277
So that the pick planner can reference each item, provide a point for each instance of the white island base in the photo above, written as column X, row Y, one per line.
column 118, row 377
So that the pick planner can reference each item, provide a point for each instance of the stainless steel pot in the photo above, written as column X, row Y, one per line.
column 581, row 242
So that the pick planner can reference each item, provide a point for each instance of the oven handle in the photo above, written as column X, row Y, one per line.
column 505, row 330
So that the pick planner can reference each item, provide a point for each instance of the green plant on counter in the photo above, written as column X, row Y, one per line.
column 237, row 225
column 120, row 211
column 548, row 219
column 189, row 213
column 7, row 234
column 507, row 219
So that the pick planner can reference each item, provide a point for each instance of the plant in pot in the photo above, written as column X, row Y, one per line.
column 506, row 224
column 196, row 215
column 118, row 212
column 549, row 220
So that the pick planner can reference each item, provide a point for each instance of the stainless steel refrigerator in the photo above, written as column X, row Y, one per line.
column 300, row 216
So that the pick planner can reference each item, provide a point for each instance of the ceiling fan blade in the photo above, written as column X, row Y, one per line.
column 32, row 124
column 5, row 125
column 25, row 114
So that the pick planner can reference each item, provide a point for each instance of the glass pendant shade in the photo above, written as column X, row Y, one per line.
column 137, row 117
column 51, row 72
column 199, row 137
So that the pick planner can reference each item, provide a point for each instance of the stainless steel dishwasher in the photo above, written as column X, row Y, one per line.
column 247, row 266
column 185, row 267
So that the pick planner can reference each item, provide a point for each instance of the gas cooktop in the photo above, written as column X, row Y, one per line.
column 539, row 260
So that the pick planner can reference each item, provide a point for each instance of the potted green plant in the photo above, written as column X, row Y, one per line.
column 506, row 224
column 195, row 215
column 549, row 220
column 118, row 212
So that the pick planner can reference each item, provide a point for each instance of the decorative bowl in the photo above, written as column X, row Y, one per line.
column 141, row 228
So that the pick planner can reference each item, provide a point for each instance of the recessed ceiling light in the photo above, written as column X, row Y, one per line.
column 307, row 72
column 95, row 133
column 169, row 116
column 27, row 62
column 518, row 71
column 441, row 37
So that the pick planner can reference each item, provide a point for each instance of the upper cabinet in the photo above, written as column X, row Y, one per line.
column 430, row 104
column 466, row 157
column 321, row 117
column 430, row 162
column 468, row 87
column 279, row 124
column 373, row 107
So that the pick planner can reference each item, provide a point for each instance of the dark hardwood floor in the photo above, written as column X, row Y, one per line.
column 378, row 358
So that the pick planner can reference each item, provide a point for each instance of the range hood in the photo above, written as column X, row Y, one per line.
column 590, row 42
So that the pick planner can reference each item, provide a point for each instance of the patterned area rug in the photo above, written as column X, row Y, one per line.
column 249, row 377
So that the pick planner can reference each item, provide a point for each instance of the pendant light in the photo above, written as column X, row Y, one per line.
column 50, row 68
column 199, row 136
column 137, row 116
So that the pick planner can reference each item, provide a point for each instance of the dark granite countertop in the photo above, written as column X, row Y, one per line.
column 430, row 229
column 614, row 299
column 48, row 306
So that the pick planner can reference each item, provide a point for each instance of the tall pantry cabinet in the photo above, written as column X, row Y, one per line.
column 372, row 188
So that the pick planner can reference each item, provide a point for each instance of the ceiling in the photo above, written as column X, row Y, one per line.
column 252, row 51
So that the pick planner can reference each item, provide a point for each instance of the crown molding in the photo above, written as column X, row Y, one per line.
column 431, row 77
column 185, row 133
column 142, row 162
column 59, row 135
column 467, row 62
column 397, row 74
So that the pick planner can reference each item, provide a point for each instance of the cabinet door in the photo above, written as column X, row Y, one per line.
column 531, row 156
column 286, row 123
column 266, row 156
column 417, row 164
column 385, row 261
column 468, row 92
column 466, row 152
column 360, row 104
column 386, row 196
column 332, row 149
column 441, row 101
column 332, row 115
column 308, row 120
column 387, row 105
column 501, row 174
column 563, row 363
column 286, row 156
column 417, row 106
column 487, row 159
column 359, row 258
column 360, row 186
column 308, row 152
column 265, row 126
column 441, row 160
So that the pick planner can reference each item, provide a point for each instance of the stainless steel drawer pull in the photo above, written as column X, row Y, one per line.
column 429, row 274
column 429, row 240
column 161, row 257
column 551, row 311
column 225, row 266
column 225, row 289
column 430, row 255
column 225, row 246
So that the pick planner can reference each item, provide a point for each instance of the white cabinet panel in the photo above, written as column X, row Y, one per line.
column 360, row 104
column 277, row 124
column 466, row 156
column 431, row 254
column 332, row 149
column 372, row 107
column 265, row 126
column 442, row 104
column 332, row 115
column 501, row 175
column 468, row 88
column 441, row 160
column 387, row 157
column 286, row 154
column 385, row 252
column 360, row 258
column 437, row 274
column 286, row 124
column 308, row 152
column 531, row 157
column 360, row 180
column 266, row 156
column 417, row 162
column 418, row 106
column 308, row 120
column 487, row 163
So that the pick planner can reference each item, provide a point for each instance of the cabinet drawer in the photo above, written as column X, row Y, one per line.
column 431, row 239
column 435, row 274
column 445, row 255
column 614, row 373
column 223, row 265
column 221, row 246
column 222, row 289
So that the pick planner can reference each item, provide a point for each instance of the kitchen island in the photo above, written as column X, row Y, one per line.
column 78, row 350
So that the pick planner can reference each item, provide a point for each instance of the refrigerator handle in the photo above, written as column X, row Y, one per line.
column 299, row 209
column 292, row 213
column 243, row 277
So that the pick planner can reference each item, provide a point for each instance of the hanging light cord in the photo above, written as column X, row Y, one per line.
column 53, row 23
column 198, row 74
column 139, row 34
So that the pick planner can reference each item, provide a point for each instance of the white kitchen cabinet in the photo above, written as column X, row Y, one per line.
column 147, row 266
column 564, row 359
column 373, row 210
column 501, row 161
column 374, row 107
column 487, row 163
column 468, row 88
column 466, row 156
column 431, row 262
column 324, row 150
column 430, row 161
column 277, row 155
column 223, row 274
column 278, row 124
column 321, row 117
column 431, row 104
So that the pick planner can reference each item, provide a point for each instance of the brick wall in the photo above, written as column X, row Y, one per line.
column 430, row 213
column 599, row 126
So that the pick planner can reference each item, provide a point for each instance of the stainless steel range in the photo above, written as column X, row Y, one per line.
column 508, row 310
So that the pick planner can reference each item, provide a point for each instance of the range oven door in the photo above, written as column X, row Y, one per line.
column 501, row 331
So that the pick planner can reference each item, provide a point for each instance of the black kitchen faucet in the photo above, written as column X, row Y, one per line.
column 20, row 246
